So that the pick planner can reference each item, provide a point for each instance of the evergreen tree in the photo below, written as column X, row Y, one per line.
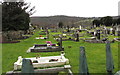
column 14, row 15
column 96, row 22
column 60, row 25
column 118, row 21
column 107, row 21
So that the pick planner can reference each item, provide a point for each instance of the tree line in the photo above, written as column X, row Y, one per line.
column 106, row 21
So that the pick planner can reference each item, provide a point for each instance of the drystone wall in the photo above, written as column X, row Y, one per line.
column 11, row 35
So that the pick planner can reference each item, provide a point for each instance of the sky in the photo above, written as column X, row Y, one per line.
column 79, row 8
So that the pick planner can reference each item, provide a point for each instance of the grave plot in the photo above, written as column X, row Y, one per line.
column 41, row 62
column 98, row 37
column 42, row 33
column 68, row 31
column 67, row 37
column 56, row 36
column 53, row 30
column 89, row 35
column 40, row 65
column 45, row 48
column 42, row 37
column 117, row 39
column 49, row 47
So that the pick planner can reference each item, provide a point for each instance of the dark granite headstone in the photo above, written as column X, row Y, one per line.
column 118, row 32
column 98, row 34
column 113, row 32
column 108, row 31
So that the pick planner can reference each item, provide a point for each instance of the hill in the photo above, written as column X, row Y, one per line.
column 52, row 21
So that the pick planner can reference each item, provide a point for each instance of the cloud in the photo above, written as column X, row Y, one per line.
column 84, row 8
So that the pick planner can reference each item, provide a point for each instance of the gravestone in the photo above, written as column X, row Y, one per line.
column 47, row 33
column 113, row 32
column 76, row 36
column 27, row 67
column 60, row 42
column 83, row 68
column 109, row 59
column 118, row 30
column 80, row 27
column 98, row 34
column 108, row 31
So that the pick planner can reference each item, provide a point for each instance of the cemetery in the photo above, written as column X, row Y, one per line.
column 48, row 53
column 56, row 45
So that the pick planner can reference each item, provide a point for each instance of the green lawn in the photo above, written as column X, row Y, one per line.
column 96, row 54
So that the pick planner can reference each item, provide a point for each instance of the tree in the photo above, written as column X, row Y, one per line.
column 60, row 25
column 118, row 21
column 97, row 23
column 114, row 22
column 107, row 21
column 14, row 15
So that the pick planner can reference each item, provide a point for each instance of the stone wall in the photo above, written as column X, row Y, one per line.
column 12, row 35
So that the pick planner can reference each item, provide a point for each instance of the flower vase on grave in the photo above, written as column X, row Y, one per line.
column 48, row 45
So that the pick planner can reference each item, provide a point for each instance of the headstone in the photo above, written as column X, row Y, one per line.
column 83, row 68
column 118, row 30
column 60, row 42
column 108, row 31
column 47, row 34
column 27, row 67
column 113, row 32
column 98, row 34
column 80, row 27
column 77, row 36
column 109, row 59
column 118, row 33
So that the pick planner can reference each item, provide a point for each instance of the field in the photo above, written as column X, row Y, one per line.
column 96, row 53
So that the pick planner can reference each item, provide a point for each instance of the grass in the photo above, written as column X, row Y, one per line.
column 96, row 54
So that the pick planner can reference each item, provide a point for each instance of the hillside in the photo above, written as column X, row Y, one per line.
column 54, row 20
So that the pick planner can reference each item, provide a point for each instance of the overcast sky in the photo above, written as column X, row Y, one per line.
column 81, row 8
